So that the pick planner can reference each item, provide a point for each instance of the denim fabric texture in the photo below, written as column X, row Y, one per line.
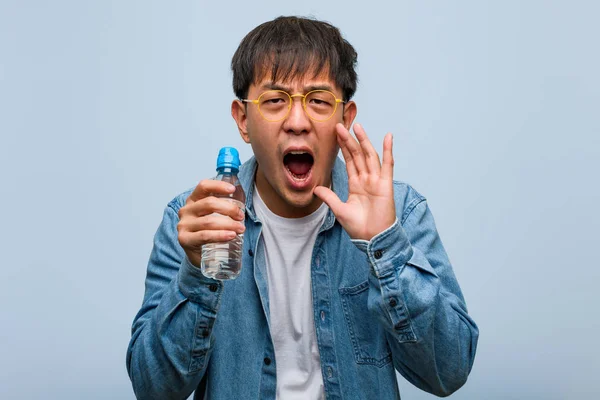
column 380, row 306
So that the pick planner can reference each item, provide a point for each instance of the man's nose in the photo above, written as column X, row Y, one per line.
column 297, row 121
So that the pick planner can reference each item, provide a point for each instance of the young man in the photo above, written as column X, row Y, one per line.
column 344, row 278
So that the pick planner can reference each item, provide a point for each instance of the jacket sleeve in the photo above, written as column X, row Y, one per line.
column 171, row 336
column 415, row 295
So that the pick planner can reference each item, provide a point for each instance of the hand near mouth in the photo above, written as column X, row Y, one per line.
column 370, row 208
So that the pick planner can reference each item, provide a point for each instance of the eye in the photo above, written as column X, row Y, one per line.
column 320, row 99
column 320, row 103
column 276, row 100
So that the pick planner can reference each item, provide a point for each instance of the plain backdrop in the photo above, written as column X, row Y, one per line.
column 109, row 109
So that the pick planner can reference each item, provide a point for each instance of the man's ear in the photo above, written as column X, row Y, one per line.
column 350, row 111
column 238, row 112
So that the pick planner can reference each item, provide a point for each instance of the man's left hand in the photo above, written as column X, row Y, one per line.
column 370, row 208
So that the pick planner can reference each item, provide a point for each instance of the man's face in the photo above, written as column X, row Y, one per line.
column 296, row 154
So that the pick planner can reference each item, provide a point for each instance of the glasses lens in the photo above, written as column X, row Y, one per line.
column 320, row 104
column 274, row 104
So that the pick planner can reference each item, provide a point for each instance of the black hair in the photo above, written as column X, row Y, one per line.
column 290, row 47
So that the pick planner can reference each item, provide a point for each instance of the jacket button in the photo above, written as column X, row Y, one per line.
column 250, row 252
column 267, row 361
column 378, row 254
column 393, row 303
column 213, row 287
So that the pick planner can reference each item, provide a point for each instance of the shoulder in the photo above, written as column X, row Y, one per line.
column 406, row 198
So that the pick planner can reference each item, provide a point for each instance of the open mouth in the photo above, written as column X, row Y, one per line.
column 299, row 164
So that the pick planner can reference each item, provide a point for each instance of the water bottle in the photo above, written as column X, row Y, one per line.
column 223, row 261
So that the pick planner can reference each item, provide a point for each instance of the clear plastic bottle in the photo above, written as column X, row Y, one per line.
column 223, row 261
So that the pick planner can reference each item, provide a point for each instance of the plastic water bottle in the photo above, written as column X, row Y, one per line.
column 223, row 261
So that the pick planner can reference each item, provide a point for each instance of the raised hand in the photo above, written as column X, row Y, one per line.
column 208, row 219
column 370, row 208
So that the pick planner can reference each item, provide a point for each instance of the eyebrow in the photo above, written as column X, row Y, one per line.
column 275, row 86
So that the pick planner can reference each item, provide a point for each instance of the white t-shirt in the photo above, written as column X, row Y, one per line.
column 288, row 247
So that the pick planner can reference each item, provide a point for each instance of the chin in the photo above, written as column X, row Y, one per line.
column 300, row 200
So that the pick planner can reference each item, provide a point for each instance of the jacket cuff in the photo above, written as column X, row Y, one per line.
column 198, row 288
column 386, row 251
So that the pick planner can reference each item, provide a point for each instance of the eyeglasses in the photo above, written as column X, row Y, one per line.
column 275, row 105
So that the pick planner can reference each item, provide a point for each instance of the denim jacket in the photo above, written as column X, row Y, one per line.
column 380, row 306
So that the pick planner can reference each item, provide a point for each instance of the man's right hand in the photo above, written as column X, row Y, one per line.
column 198, row 223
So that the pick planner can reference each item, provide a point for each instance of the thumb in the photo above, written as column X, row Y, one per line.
column 330, row 198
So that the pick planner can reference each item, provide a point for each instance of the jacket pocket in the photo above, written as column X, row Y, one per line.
column 367, row 335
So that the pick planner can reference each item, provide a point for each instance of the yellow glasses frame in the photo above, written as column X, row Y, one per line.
column 292, row 96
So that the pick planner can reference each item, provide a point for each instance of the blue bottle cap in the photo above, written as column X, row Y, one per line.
column 228, row 158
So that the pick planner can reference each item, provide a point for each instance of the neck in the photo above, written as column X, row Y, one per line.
column 287, row 208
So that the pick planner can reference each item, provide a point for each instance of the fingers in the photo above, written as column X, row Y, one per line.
column 208, row 187
column 355, row 162
column 208, row 219
column 193, row 241
column 211, row 214
column 213, row 222
column 194, row 231
column 360, row 156
column 350, row 168
column 210, row 205
column 330, row 198
column 387, row 168
column 371, row 157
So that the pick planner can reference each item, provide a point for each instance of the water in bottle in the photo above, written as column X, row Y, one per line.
column 223, row 261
